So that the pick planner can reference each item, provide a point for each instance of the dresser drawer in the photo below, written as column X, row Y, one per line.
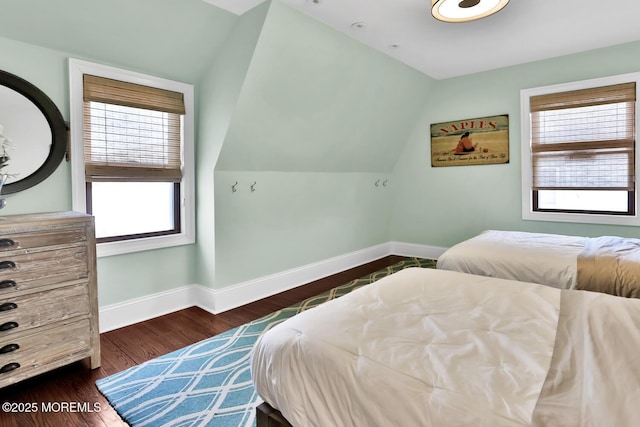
column 25, row 312
column 30, row 270
column 31, row 354
column 30, row 240
column 48, row 293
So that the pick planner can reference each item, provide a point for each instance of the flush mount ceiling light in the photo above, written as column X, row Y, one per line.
column 465, row 10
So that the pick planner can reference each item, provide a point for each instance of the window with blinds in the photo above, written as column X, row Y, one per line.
column 583, row 150
column 132, row 156
column 132, row 132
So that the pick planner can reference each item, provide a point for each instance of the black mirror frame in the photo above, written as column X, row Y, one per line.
column 56, row 124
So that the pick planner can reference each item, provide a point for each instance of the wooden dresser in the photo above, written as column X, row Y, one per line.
column 48, row 294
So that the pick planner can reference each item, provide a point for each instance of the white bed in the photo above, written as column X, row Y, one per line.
column 607, row 264
column 425, row 347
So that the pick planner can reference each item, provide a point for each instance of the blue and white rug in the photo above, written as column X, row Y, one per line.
column 209, row 383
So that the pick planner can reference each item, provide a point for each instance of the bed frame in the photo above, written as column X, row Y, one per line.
column 267, row 416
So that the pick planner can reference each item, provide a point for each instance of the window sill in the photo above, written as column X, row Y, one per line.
column 139, row 245
column 580, row 218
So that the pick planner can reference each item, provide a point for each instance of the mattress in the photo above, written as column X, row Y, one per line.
column 548, row 259
column 425, row 347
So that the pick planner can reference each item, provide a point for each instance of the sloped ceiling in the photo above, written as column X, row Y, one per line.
column 525, row 31
column 320, row 101
column 168, row 38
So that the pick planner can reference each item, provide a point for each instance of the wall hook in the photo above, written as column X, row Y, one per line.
column 253, row 186
column 233, row 187
column 384, row 183
column 377, row 183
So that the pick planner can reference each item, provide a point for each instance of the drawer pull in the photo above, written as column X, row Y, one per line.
column 8, row 306
column 9, row 348
column 8, row 326
column 9, row 367
column 5, row 284
column 5, row 265
column 6, row 243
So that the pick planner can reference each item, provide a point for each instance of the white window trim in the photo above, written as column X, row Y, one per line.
column 78, row 184
column 527, row 205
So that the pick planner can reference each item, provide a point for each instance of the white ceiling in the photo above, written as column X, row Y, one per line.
column 525, row 31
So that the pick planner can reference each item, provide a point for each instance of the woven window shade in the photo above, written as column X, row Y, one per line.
column 584, row 139
column 131, row 132
column 116, row 92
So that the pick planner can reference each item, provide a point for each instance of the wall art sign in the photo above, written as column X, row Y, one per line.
column 481, row 141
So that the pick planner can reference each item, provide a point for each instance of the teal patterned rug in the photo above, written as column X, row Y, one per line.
column 209, row 383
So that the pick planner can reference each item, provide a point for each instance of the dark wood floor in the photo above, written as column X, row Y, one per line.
column 135, row 344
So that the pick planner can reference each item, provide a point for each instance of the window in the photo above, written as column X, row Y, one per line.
column 132, row 157
column 578, row 154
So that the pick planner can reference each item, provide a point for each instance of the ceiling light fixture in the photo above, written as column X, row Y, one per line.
column 465, row 10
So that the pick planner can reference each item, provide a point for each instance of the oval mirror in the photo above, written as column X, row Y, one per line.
column 33, row 134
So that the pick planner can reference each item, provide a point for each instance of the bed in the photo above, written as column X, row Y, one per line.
column 608, row 264
column 426, row 347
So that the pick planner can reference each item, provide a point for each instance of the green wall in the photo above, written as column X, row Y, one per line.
column 442, row 206
column 295, row 218
column 320, row 118
column 218, row 93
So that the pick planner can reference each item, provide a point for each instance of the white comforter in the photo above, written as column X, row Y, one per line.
column 548, row 259
column 418, row 348
column 431, row 348
column 594, row 378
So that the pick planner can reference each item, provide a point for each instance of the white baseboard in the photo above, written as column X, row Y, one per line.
column 253, row 290
column 136, row 310
column 216, row 301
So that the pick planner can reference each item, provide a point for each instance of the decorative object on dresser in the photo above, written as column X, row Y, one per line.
column 48, row 294
column 5, row 145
